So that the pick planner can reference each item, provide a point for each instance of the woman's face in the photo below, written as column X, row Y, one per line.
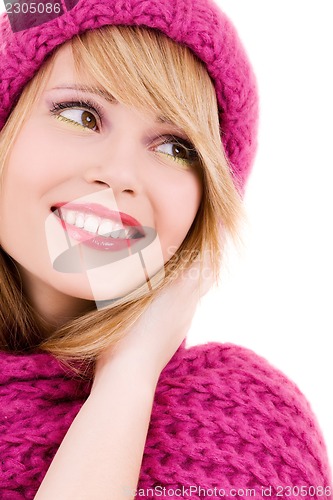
column 96, row 195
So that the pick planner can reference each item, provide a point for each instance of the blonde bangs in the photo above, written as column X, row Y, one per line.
column 144, row 69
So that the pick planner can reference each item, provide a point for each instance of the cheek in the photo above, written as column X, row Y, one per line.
column 28, row 164
column 29, row 173
column 39, row 159
column 176, row 211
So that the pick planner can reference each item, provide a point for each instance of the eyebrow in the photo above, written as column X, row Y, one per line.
column 91, row 89
column 88, row 89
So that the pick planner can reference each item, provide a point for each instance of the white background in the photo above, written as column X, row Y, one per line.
column 276, row 297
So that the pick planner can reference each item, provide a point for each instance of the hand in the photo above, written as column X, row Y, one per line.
column 151, row 342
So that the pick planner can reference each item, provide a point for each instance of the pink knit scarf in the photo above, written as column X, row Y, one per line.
column 223, row 419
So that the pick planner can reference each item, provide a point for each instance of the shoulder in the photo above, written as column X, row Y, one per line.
column 233, row 372
column 237, row 419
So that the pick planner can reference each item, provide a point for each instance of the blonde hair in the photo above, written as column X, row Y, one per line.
column 120, row 60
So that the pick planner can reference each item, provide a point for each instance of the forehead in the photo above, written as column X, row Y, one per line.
column 63, row 68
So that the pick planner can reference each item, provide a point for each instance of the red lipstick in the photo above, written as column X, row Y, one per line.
column 73, row 217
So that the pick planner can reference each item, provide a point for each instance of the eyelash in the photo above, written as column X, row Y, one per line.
column 174, row 140
column 95, row 109
column 82, row 105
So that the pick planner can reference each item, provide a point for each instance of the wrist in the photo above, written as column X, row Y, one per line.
column 126, row 372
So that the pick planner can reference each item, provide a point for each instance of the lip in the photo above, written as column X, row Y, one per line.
column 103, row 212
column 96, row 241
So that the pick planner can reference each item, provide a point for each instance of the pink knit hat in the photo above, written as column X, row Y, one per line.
column 27, row 38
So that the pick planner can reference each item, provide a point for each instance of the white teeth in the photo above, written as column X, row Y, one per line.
column 105, row 228
column 120, row 233
column 93, row 224
column 70, row 217
column 79, row 222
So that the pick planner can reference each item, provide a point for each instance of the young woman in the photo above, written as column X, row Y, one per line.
column 128, row 132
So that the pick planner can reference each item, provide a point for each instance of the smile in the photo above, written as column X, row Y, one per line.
column 98, row 227
column 95, row 225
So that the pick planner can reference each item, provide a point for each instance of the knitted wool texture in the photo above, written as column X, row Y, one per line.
column 222, row 418
column 199, row 24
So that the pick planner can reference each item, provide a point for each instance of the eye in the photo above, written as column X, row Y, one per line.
column 178, row 149
column 74, row 112
column 84, row 118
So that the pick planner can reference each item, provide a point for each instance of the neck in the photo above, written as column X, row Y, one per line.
column 52, row 308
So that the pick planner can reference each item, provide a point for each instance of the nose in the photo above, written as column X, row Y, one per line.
column 116, row 163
